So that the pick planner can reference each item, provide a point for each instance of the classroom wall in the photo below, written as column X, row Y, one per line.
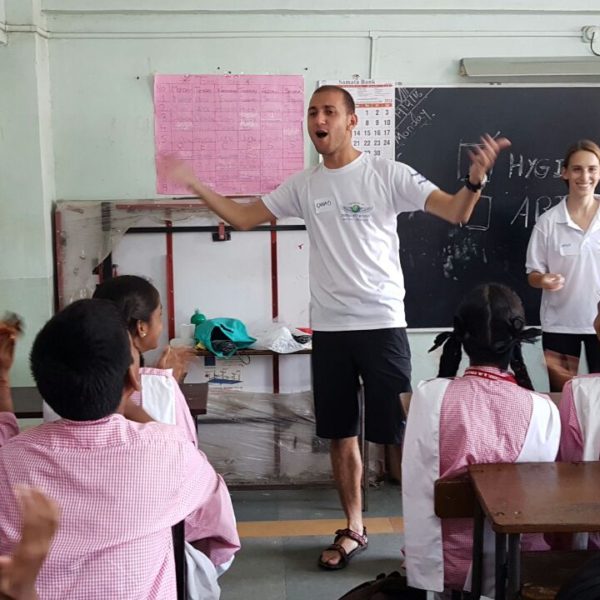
column 26, row 176
column 2, row 23
column 76, row 120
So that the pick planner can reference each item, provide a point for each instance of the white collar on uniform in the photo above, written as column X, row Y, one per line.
column 563, row 216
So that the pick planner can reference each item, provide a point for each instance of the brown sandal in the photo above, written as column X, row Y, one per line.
column 345, row 557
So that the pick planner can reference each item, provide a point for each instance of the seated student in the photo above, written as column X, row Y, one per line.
column 139, row 303
column 580, row 437
column 39, row 514
column 120, row 485
column 489, row 415
column 161, row 398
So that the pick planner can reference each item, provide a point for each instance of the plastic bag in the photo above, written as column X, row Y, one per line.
column 222, row 336
column 281, row 339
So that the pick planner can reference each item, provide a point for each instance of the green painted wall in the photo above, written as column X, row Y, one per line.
column 76, row 119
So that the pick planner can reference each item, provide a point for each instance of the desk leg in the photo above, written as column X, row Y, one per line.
column 500, row 579
column 476, row 572
column 514, row 566
column 178, row 532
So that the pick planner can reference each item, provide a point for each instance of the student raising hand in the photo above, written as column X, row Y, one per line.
column 19, row 572
column 10, row 328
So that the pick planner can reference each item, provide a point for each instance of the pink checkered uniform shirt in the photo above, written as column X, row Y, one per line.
column 9, row 426
column 571, row 437
column 121, row 486
column 481, row 421
column 571, row 445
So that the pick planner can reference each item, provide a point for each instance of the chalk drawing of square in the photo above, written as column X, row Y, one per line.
column 482, row 214
column 463, row 162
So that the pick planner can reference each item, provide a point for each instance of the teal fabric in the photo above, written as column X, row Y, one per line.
column 233, row 330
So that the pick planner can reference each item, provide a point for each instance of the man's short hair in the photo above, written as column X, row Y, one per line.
column 80, row 358
column 346, row 95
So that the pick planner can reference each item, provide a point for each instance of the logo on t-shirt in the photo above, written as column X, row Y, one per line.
column 356, row 210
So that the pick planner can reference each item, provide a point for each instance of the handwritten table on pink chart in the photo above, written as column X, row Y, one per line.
column 241, row 134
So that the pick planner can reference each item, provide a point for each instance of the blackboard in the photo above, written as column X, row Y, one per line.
column 434, row 128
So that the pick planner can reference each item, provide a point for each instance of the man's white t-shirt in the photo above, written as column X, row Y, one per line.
column 356, row 281
column 559, row 245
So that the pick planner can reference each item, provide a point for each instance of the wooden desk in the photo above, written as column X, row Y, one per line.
column 531, row 498
column 28, row 402
column 196, row 396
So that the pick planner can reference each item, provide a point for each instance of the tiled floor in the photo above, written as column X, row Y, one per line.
column 282, row 535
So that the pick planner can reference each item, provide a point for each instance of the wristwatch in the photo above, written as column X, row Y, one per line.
column 474, row 187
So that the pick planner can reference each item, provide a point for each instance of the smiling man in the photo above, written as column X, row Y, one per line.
column 349, row 203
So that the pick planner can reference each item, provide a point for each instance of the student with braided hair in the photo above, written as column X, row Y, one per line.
column 489, row 415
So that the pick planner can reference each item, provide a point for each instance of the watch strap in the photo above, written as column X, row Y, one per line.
column 473, row 187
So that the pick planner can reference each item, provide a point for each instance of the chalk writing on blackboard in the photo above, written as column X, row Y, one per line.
column 410, row 116
column 531, row 208
column 529, row 167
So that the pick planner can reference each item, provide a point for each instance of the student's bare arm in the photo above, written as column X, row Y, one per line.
column 240, row 216
column 457, row 208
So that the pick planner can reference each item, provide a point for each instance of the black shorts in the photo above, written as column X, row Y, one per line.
column 382, row 358
column 569, row 344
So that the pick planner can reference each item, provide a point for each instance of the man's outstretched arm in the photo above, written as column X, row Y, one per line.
column 240, row 216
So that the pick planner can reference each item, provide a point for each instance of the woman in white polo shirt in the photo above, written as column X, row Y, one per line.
column 563, row 259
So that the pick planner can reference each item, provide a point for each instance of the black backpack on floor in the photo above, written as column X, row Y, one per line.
column 585, row 583
column 385, row 587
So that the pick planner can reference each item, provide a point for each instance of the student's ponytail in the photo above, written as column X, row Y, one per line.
column 517, row 364
column 451, row 353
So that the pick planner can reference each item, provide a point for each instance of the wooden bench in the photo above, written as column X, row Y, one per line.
column 454, row 498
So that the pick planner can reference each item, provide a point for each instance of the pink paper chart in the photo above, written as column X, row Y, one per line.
column 241, row 134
